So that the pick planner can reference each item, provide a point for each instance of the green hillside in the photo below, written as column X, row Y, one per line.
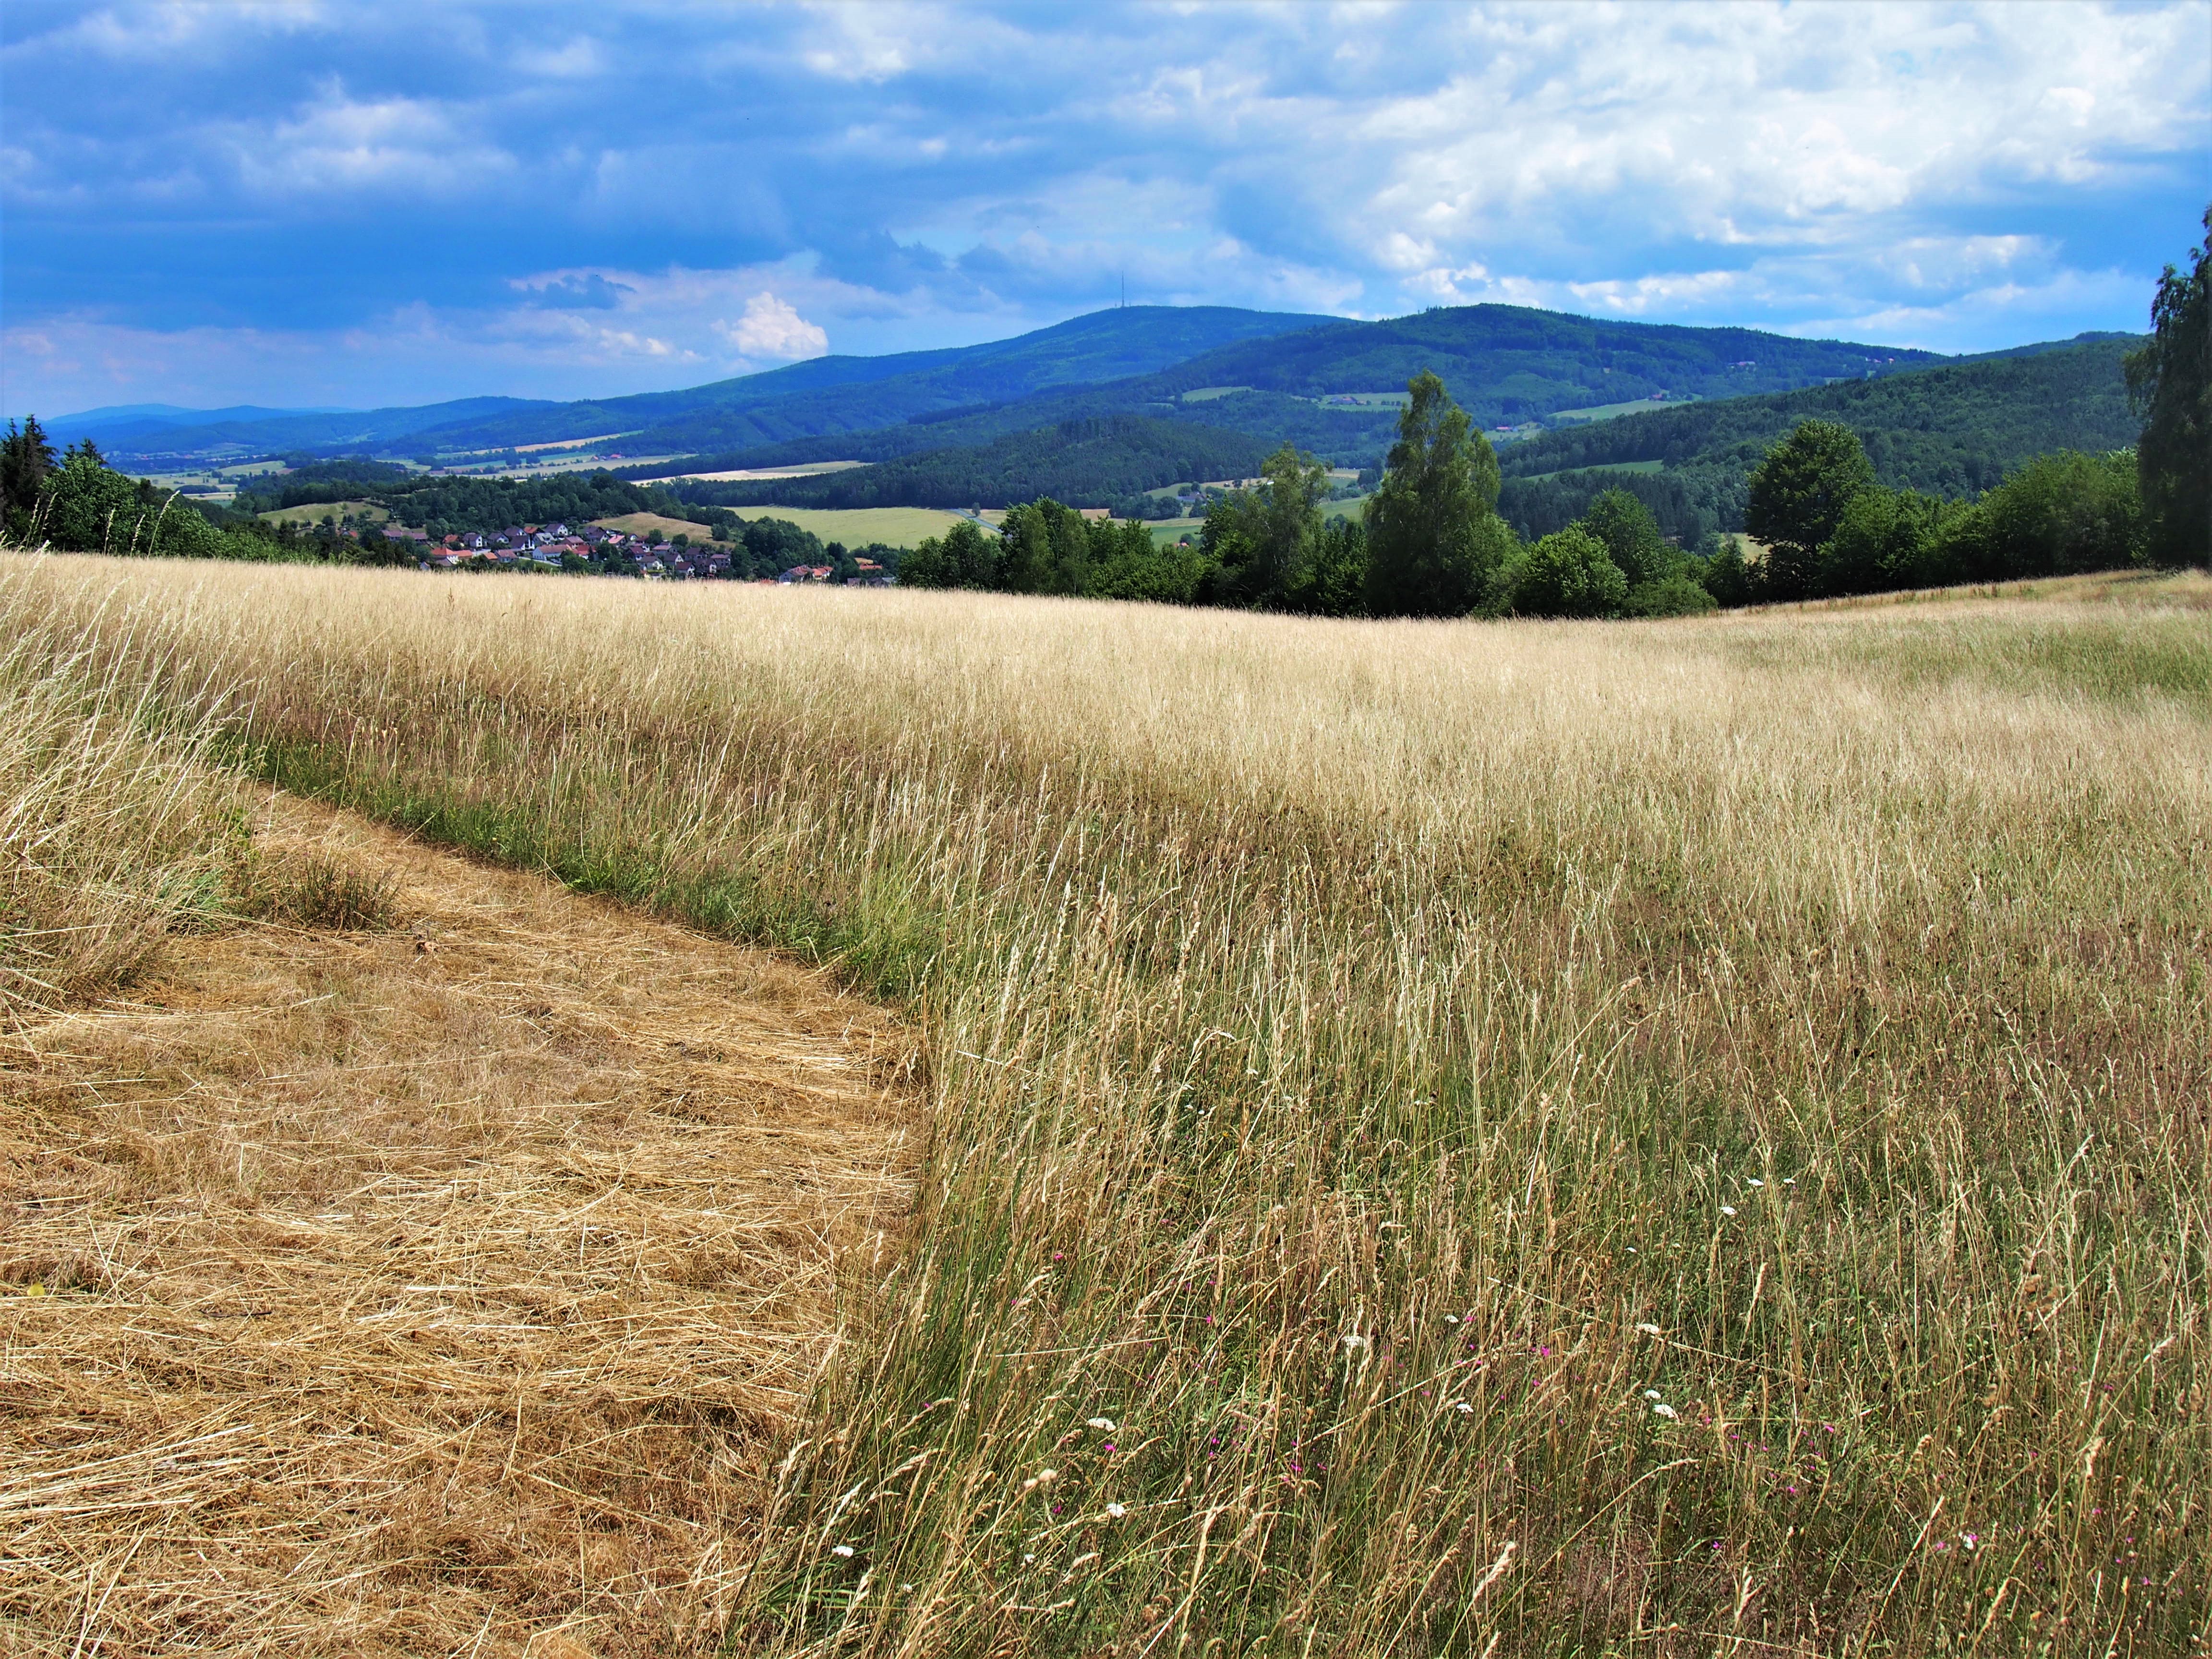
column 1952, row 430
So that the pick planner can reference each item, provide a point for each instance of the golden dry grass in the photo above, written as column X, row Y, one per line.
column 1370, row 1062
column 421, row 1289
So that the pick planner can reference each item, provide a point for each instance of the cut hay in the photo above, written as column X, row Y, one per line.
column 427, row 1287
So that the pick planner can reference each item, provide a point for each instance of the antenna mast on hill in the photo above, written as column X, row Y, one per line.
column 1125, row 290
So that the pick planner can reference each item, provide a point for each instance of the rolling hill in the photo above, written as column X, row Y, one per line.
column 1503, row 364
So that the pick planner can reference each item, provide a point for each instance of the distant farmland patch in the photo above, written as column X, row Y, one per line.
column 861, row 526
column 811, row 469
column 1609, row 467
column 1206, row 394
column 1607, row 411
column 316, row 511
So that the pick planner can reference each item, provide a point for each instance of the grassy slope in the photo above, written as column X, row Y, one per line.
column 1367, row 1059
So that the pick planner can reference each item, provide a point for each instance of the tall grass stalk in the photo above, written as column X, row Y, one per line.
column 1489, row 1138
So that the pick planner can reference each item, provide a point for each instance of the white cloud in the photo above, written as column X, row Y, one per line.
column 772, row 330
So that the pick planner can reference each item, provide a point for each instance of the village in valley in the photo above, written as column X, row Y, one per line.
column 594, row 546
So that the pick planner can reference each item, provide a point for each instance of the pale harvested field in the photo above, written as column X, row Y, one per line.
column 811, row 471
column 422, row 1289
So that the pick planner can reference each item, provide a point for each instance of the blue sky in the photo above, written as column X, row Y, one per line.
column 338, row 203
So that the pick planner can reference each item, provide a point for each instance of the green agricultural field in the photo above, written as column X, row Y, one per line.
column 1607, row 411
column 859, row 526
column 316, row 511
column 1206, row 394
column 1616, row 466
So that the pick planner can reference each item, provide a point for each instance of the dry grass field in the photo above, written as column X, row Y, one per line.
column 1489, row 1138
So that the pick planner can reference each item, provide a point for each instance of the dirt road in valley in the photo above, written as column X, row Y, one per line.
column 438, row 1286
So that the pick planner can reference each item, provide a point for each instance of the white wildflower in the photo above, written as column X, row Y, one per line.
column 841, row 1549
column 1662, row 1409
column 1104, row 1423
column 1461, row 1406
column 1648, row 1328
column 1451, row 1319
column 1116, row 1511
column 1728, row 1209
column 1754, row 1181
column 1651, row 1393
column 1028, row 1560
column 1355, row 1341
column 1046, row 1477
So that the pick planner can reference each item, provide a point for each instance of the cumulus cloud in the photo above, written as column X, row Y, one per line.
column 771, row 329
column 591, row 199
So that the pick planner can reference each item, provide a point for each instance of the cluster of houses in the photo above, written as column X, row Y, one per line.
column 549, row 544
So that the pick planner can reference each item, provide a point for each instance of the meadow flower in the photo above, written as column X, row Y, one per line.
column 1461, row 1406
column 1660, row 1408
column 1648, row 1328
column 1728, row 1209
column 1651, row 1393
column 1116, row 1511
column 1355, row 1341
column 1105, row 1422
column 845, row 1550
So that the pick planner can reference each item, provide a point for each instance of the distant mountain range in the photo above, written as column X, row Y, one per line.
column 1505, row 363
column 1106, row 393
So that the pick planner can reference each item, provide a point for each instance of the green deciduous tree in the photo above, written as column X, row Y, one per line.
column 1797, row 497
column 1884, row 540
column 1631, row 535
column 963, row 556
column 1566, row 574
column 2060, row 513
column 2170, row 380
column 1432, row 539
column 1331, row 581
column 1257, row 540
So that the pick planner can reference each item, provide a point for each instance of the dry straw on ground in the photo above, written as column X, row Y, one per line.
column 1375, row 1068
column 421, row 1286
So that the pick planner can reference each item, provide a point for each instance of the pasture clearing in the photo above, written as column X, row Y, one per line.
column 862, row 527
column 1607, row 411
column 1610, row 466
column 1374, row 1068
column 315, row 511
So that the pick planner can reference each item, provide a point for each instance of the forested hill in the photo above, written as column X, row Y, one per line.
column 1951, row 430
column 833, row 394
column 1104, row 459
column 1954, row 430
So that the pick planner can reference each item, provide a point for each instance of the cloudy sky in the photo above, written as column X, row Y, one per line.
column 326, row 202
